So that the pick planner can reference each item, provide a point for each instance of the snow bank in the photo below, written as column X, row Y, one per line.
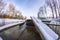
column 9, row 21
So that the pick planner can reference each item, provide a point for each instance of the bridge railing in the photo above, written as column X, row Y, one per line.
column 45, row 32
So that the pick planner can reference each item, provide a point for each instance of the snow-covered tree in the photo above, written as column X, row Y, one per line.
column 2, row 7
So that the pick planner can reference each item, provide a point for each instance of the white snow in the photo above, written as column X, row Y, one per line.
column 1, row 38
column 9, row 21
column 9, row 25
column 51, row 19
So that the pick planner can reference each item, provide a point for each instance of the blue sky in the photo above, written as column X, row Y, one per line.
column 28, row 7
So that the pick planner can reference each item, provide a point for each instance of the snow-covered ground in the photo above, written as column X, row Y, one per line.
column 12, row 31
column 51, row 19
column 9, row 21
column 1, row 38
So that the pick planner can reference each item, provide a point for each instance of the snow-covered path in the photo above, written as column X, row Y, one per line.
column 9, row 21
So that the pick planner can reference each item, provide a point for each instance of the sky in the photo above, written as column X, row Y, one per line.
column 28, row 7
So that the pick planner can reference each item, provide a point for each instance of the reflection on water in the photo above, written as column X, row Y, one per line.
column 11, row 34
column 14, row 33
column 56, row 27
column 30, row 33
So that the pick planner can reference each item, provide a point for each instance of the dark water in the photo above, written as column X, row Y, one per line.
column 15, row 33
column 30, row 33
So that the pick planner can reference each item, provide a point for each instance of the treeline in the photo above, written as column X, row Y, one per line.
column 10, row 11
column 51, row 9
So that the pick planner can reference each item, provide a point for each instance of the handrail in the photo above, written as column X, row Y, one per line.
column 5, row 27
column 45, row 32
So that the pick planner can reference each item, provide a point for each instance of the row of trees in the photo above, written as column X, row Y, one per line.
column 9, row 11
column 53, row 5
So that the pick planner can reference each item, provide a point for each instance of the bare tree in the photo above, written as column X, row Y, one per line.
column 53, row 4
column 58, row 7
column 2, row 5
column 10, row 11
column 55, row 7
column 42, row 12
column 49, row 3
column 13, row 12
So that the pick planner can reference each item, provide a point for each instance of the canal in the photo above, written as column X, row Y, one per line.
column 23, row 32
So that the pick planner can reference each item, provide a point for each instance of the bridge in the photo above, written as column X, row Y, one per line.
column 21, row 31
